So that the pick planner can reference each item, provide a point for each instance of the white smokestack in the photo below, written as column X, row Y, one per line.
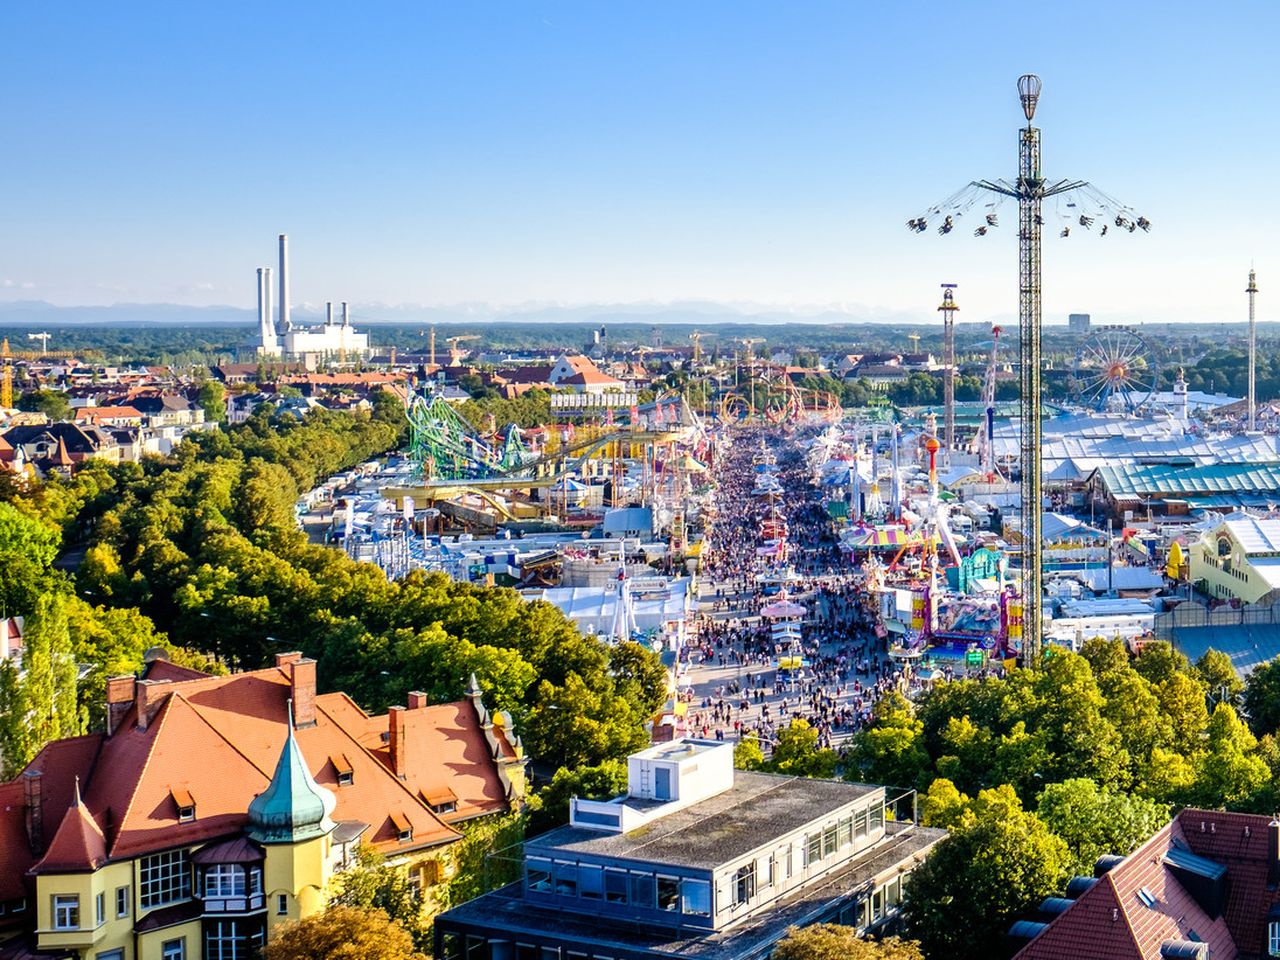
column 285, row 325
column 269, row 328
column 262, row 305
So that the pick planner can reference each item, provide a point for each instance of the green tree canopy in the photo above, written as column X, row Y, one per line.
column 830, row 941
column 1094, row 821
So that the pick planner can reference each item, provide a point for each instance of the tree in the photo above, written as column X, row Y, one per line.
column 1230, row 769
column 942, row 805
column 601, row 782
column 747, row 754
column 890, row 750
column 343, row 933
column 998, row 862
column 28, row 546
column 52, row 403
column 573, row 724
column 639, row 676
column 1159, row 661
column 373, row 885
column 1262, row 698
column 1094, row 821
column 831, row 941
column 212, row 398
column 797, row 752
column 1219, row 675
column 41, row 702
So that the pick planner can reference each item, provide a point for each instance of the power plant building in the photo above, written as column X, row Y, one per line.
column 279, row 337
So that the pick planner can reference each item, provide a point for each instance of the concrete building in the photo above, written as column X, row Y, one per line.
column 1239, row 559
column 279, row 337
column 1078, row 323
column 696, row 861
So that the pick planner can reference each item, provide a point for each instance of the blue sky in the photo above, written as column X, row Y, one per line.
column 759, row 153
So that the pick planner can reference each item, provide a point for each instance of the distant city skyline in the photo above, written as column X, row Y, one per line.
column 758, row 157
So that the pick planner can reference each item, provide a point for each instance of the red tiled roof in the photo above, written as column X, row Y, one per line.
column 166, row 670
column 1239, row 842
column 15, row 853
column 1110, row 921
column 78, row 845
column 445, row 751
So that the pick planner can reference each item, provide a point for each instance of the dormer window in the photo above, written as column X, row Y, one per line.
column 185, row 803
column 342, row 767
column 442, row 800
column 402, row 826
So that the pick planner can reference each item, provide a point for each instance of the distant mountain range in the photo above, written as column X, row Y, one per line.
column 37, row 312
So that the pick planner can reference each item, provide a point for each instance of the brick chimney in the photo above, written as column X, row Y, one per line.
column 148, row 696
column 396, row 740
column 120, row 695
column 284, row 659
column 417, row 699
column 302, row 682
column 32, row 798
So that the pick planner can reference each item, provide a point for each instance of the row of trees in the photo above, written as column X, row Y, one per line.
column 1039, row 773
column 201, row 549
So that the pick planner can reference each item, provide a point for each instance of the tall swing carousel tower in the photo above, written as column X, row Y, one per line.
column 1076, row 204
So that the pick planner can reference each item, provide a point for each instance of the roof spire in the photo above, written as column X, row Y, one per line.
column 294, row 807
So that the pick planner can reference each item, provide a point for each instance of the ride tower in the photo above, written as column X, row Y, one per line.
column 1077, row 204
column 948, row 310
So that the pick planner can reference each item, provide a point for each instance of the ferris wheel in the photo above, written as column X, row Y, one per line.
column 1115, row 370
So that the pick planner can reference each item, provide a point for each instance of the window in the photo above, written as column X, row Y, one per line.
column 642, row 890
column 766, row 878
column 615, row 886
column 66, row 912
column 846, row 832
column 477, row 948
column 100, row 909
column 1273, row 938
column 860, row 823
column 877, row 817
column 232, row 939
column 813, row 848
column 110, row 955
column 173, row 950
column 537, row 874
column 877, row 905
column 668, row 893
column 567, row 879
column 590, row 882
column 744, row 883
column 282, row 904
column 122, row 901
column 164, row 878
column 696, row 896
column 415, row 885
column 828, row 841
column 893, row 892
column 224, row 880
column 450, row 946
column 186, row 814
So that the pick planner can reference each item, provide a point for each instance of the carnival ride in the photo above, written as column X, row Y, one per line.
column 1115, row 369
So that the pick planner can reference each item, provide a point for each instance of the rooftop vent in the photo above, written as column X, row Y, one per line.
column 1022, row 933
column 1104, row 863
column 1184, row 950
column 1077, row 886
column 1051, row 907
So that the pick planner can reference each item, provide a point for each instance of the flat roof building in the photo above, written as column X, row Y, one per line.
column 696, row 860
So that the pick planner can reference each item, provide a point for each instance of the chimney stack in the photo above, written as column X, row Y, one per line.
column 328, row 313
column 262, row 306
column 270, row 311
column 284, row 283
column 346, row 316
column 148, row 695
column 121, row 692
column 395, row 740
column 33, row 801
column 302, row 680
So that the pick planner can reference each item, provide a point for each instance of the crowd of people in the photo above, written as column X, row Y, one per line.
column 735, row 681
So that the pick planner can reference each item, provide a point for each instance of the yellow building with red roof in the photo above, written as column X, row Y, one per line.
column 215, row 808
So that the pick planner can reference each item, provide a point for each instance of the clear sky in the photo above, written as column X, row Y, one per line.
column 759, row 153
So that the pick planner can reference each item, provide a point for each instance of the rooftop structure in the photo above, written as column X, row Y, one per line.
column 697, row 860
column 1203, row 886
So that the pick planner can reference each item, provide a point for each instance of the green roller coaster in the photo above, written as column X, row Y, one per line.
column 447, row 447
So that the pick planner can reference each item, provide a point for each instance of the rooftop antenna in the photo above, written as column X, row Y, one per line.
column 1078, row 205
